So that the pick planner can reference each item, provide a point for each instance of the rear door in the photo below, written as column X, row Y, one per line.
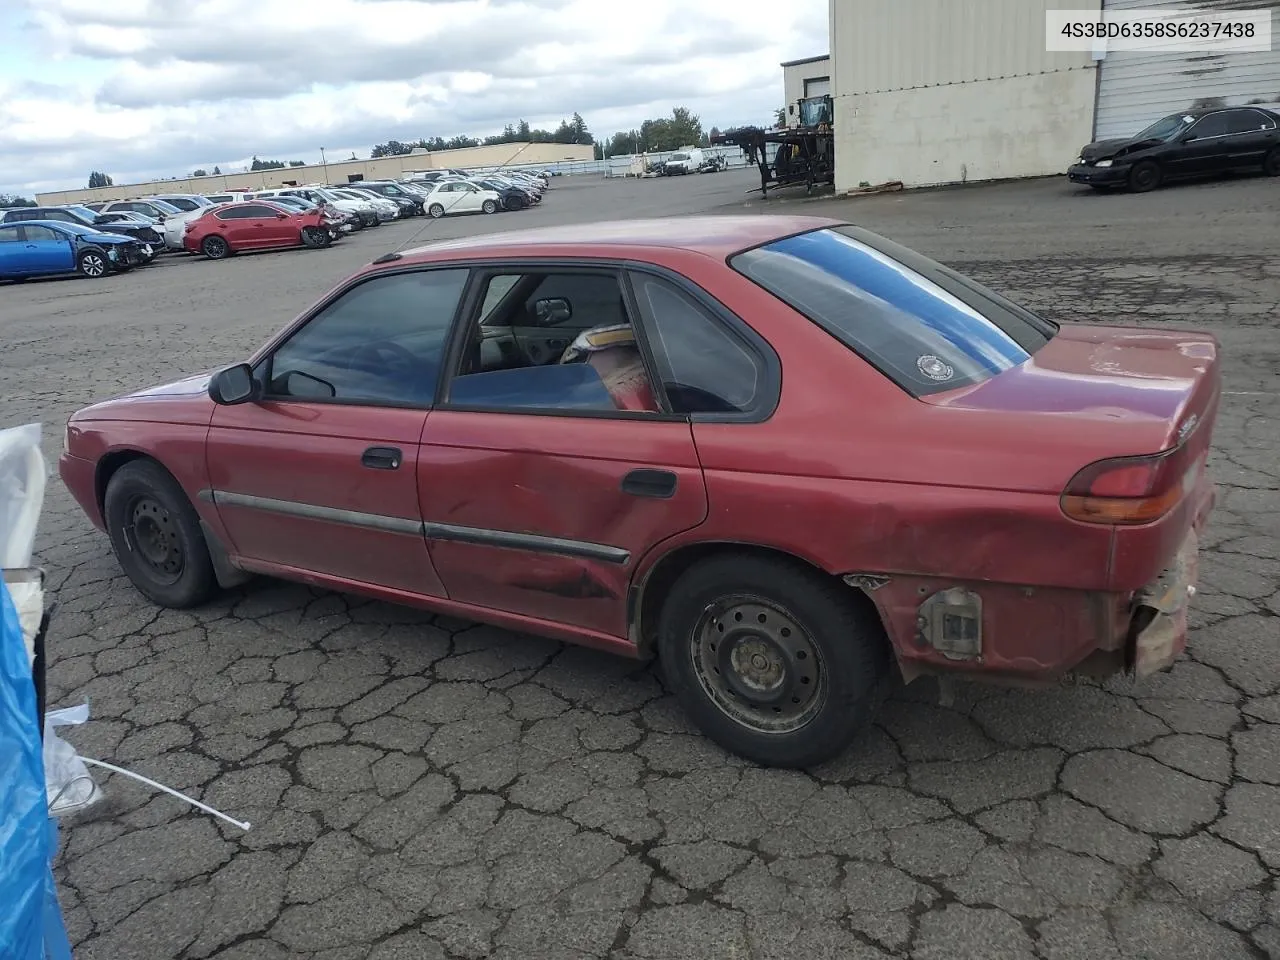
column 543, row 484
column 13, row 250
column 1250, row 135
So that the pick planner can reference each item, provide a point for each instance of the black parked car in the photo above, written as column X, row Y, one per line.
column 512, row 197
column 410, row 203
column 1196, row 143
column 84, row 217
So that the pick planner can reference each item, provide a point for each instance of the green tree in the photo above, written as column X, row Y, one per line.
column 217, row 172
column 780, row 117
column 266, row 164
column 297, row 163
column 97, row 179
column 10, row 200
column 200, row 173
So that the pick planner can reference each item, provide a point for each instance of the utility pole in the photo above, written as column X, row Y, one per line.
column 324, row 163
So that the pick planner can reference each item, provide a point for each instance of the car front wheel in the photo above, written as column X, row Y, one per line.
column 1145, row 175
column 772, row 661
column 315, row 237
column 156, row 536
column 436, row 210
column 92, row 264
column 489, row 207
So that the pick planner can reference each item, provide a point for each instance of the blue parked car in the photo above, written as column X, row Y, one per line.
column 39, row 248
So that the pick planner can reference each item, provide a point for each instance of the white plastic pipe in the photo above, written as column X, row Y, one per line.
column 169, row 790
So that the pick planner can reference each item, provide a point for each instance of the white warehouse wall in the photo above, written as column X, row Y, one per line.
column 982, row 130
column 942, row 91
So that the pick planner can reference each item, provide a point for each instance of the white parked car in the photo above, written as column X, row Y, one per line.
column 461, row 196
column 387, row 210
column 363, row 211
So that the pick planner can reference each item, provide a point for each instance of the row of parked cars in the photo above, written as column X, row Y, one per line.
column 95, row 239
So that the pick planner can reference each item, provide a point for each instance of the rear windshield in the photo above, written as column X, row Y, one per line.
column 923, row 325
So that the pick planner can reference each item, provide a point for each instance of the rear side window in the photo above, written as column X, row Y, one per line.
column 923, row 325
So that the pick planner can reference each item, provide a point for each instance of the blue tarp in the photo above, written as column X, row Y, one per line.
column 31, row 926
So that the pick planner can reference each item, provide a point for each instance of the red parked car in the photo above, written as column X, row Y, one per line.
column 255, row 225
column 780, row 453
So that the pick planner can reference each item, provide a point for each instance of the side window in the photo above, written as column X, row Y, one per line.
column 704, row 366
column 235, row 213
column 38, row 234
column 59, row 215
column 553, row 341
column 1248, row 121
column 10, row 235
column 381, row 341
column 1214, row 125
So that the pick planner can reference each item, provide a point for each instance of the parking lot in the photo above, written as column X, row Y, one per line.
column 423, row 788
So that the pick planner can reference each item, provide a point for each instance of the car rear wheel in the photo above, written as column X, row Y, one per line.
column 92, row 264
column 436, row 211
column 1145, row 175
column 315, row 237
column 1271, row 163
column 215, row 248
column 773, row 662
column 156, row 536
column 489, row 207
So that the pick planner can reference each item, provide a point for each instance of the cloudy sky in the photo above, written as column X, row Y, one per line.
column 145, row 88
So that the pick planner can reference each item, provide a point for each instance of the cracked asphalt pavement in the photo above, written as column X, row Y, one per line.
column 425, row 788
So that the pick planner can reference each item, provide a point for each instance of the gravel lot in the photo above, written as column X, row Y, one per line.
column 422, row 788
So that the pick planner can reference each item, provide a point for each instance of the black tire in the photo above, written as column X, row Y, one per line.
column 215, row 248
column 436, row 211
column 1145, row 175
column 93, row 264
column 829, row 652
column 489, row 206
column 156, row 536
column 1271, row 163
column 315, row 237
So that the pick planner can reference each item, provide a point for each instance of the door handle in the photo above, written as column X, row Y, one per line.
column 659, row 484
column 382, row 458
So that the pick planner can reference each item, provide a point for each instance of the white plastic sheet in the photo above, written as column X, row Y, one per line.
column 22, row 483
column 67, row 781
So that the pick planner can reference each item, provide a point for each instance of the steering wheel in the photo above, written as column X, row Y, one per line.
column 384, row 356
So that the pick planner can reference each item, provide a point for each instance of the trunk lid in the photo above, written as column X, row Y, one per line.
column 1096, row 391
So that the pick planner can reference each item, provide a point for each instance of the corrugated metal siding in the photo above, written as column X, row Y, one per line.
column 884, row 45
column 1136, row 88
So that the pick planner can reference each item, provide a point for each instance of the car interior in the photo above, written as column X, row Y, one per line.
column 561, row 340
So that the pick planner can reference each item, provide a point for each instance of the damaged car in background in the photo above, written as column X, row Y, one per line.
column 784, row 455
column 1182, row 146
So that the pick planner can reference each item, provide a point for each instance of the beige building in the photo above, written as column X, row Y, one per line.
column 801, row 79
column 498, row 155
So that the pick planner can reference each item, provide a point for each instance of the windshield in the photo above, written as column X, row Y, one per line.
column 163, row 207
column 1166, row 128
column 923, row 325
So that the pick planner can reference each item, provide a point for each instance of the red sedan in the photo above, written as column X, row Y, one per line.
column 255, row 225
column 783, row 454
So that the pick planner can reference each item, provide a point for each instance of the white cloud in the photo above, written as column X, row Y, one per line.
column 141, row 88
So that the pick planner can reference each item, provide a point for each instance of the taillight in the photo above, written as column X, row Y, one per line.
column 1130, row 490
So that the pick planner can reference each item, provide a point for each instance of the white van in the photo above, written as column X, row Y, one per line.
column 684, row 160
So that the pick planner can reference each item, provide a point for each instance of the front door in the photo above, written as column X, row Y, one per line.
column 320, row 476
column 544, row 483
column 1207, row 151
column 48, row 251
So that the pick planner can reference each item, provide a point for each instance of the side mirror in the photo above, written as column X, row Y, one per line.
column 233, row 385
column 552, row 310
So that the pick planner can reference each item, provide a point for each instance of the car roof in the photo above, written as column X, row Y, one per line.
column 714, row 236
column 43, row 223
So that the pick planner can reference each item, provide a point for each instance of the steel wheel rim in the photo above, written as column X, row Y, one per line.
column 758, row 665
column 155, row 539
column 93, row 265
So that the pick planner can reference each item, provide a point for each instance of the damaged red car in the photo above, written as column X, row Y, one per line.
column 785, row 455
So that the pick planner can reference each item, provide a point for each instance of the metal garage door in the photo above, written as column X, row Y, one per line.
column 1136, row 88
column 817, row 87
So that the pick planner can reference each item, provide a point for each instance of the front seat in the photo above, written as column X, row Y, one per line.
column 612, row 352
